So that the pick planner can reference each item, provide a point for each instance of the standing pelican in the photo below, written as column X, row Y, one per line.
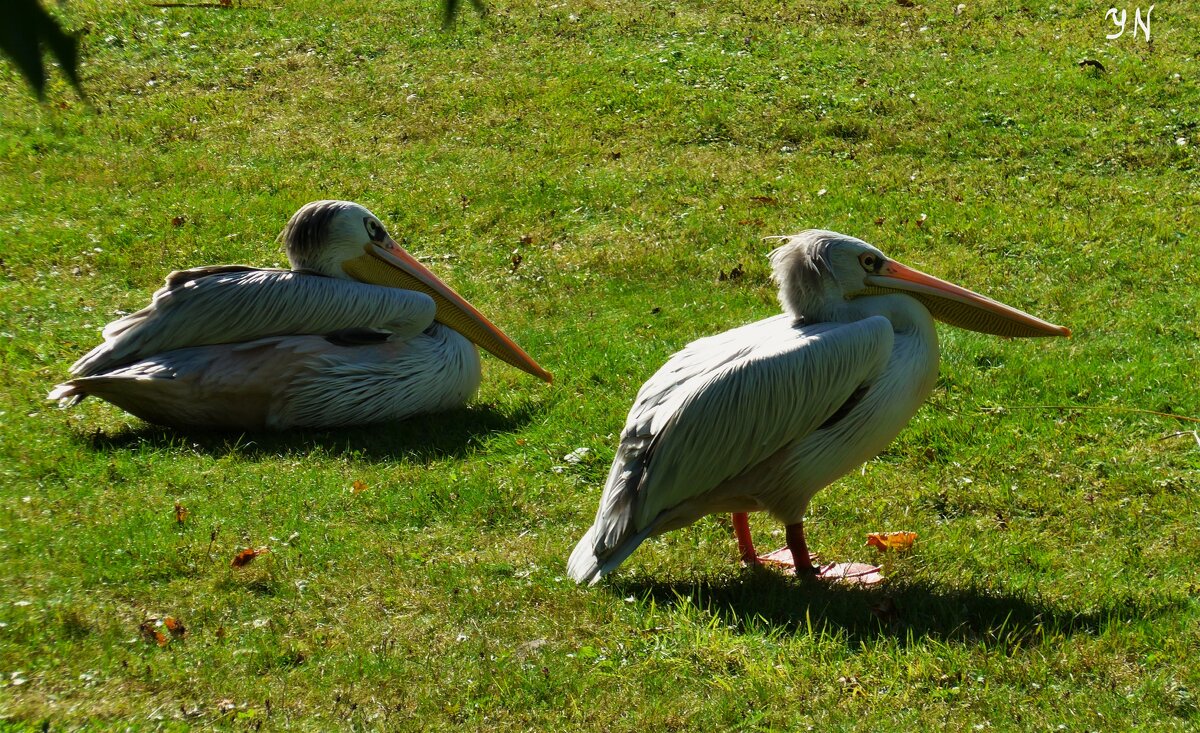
column 764, row 416
column 356, row 332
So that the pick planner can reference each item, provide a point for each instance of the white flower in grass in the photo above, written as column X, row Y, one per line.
column 576, row 455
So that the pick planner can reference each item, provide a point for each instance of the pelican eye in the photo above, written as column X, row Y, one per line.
column 870, row 262
column 375, row 230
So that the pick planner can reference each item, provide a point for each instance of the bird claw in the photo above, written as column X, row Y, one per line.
column 850, row 573
column 783, row 556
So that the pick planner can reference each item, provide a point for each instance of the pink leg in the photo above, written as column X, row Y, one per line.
column 854, row 573
column 799, row 549
column 741, row 530
column 783, row 556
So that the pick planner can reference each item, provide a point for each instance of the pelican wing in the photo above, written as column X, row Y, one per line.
column 233, row 303
column 281, row 382
column 215, row 386
column 718, row 408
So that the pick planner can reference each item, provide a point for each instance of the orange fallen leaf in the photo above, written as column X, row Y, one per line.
column 246, row 556
column 150, row 633
column 358, row 486
column 181, row 513
column 174, row 625
column 898, row 541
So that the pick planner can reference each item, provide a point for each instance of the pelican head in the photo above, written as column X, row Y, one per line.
column 324, row 234
column 819, row 270
column 343, row 239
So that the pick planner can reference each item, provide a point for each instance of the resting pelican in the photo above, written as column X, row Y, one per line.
column 356, row 332
column 764, row 416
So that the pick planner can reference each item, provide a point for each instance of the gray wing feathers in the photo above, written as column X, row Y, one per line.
column 673, row 381
column 751, row 408
column 169, row 388
column 281, row 382
column 587, row 566
column 228, row 304
column 719, row 407
column 697, row 359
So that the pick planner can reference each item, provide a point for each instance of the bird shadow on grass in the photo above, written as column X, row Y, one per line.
column 420, row 439
column 764, row 600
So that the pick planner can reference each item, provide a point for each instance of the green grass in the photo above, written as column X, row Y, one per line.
column 640, row 148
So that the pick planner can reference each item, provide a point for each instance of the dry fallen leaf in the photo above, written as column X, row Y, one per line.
column 358, row 486
column 246, row 556
column 852, row 685
column 181, row 513
column 898, row 541
column 529, row 647
column 150, row 633
column 885, row 610
column 734, row 274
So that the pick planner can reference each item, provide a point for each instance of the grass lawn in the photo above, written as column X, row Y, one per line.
column 629, row 152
